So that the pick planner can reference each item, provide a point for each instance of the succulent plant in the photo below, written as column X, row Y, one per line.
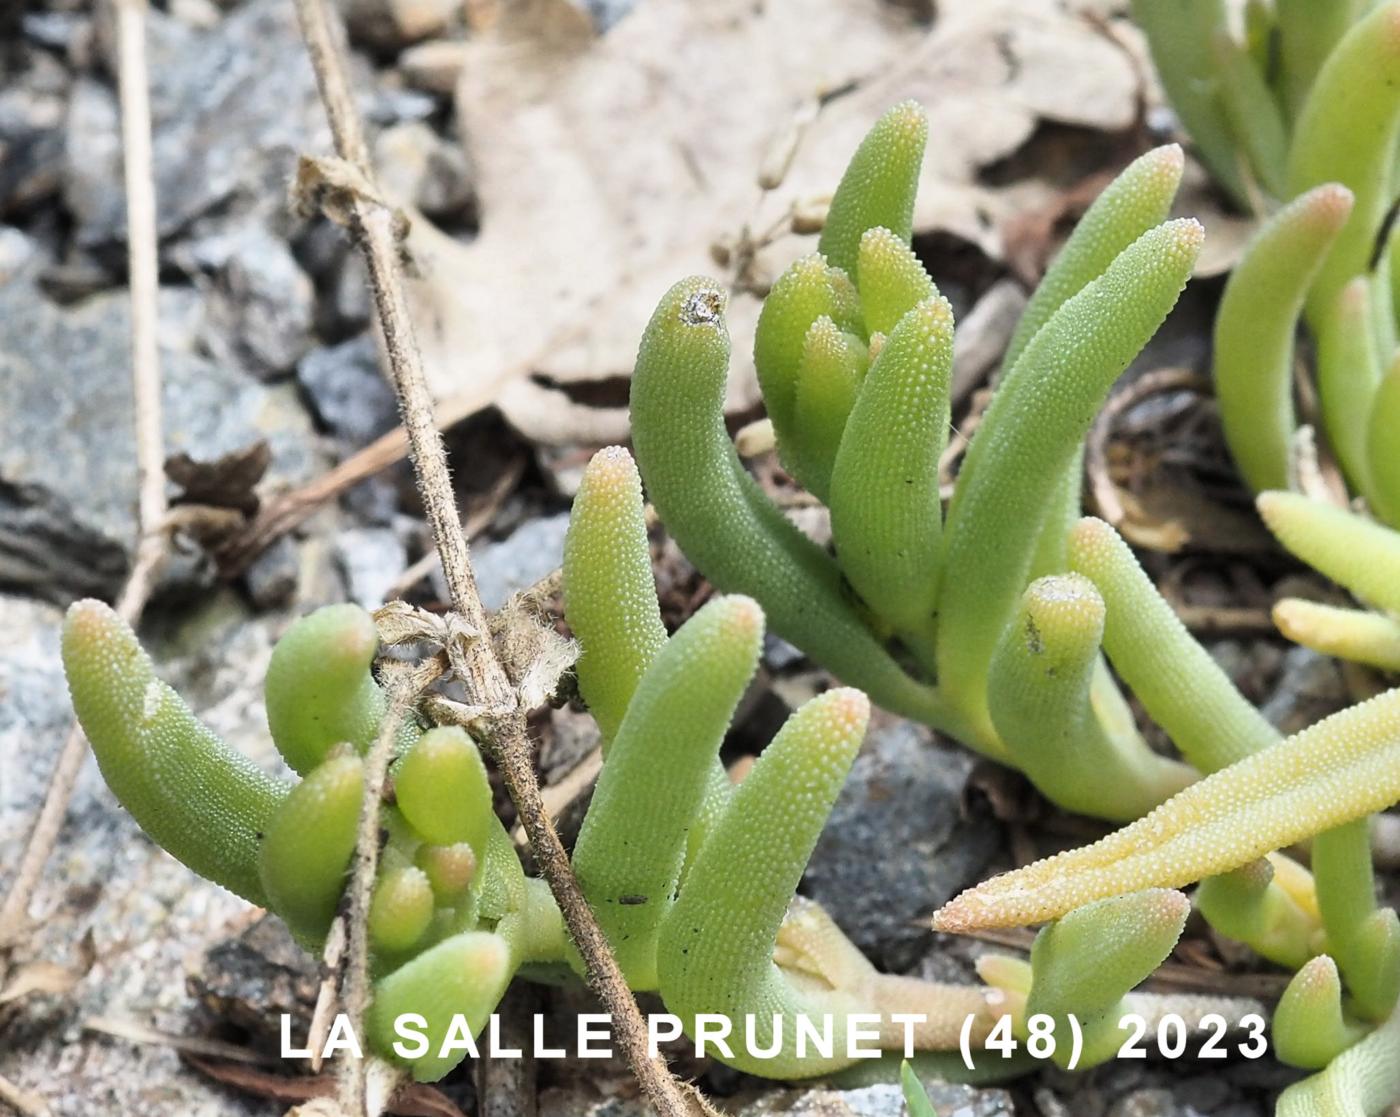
column 692, row 880
column 930, row 613
column 1305, row 112
column 1358, row 554
column 1321, row 784
column 996, row 622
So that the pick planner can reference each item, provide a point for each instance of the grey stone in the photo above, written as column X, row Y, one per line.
column 422, row 169
column 606, row 13
column 271, row 578
column 232, row 107
column 18, row 253
column 398, row 105
column 779, row 654
column 1309, row 688
column 255, row 977
column 886, row 1100
column 32, row 110
column 68, row 470
column 519, row 561
column 1147, row 1103
column 371, row 558
column 348, row 305
column 261, row 304
column 347, row 392
column 53, row 30
column 1204, row 1093
column 33, row 709
column 92, row 154
column 896, row 847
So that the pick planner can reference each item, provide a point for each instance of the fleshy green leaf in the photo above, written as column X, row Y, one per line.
column 1383, row 448
column 197, row 798
column 1182, row 686
column 400, row 909
column 629, row 853
column 1348, row 375
column 319, row 689
column 1254, row 331
column 1341, row 769
column 442, row 788
column 1028, row 437
column 1135, row 201
column 1309, row 1028
column 743, row 879
column 1039, row 692
column 1353, row 551
column 886, row 517
column 1347, row 133
column 878, row 187
column 1355, row 634
column 609, row 591
column 308, row 843
column 723, row 521
column 892, row 279
column 833, row 364
column 465, row 974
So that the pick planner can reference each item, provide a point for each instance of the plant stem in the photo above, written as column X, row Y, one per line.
column 373, row 227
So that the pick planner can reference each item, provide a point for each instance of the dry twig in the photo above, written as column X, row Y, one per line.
column 143, row 282
column 375, row 228
column 1101, row 484
column 22, row 1101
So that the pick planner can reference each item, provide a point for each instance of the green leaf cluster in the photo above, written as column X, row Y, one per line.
column 996, row 619
column 1300, row 122
column 692, row 880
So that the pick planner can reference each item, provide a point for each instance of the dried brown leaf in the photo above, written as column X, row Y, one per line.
column 229, row 481
column 583, row 226
column 314, row 1094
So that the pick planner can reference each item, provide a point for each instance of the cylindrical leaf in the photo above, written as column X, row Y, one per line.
column 723, row 521
column 1347, row 133
column 1254, row 331
column 1039, row 692
column 878, row 187
column 609, row 590
column 1383, row 448
column 886, row 518
column 1028, row 437
column 1179, row 682
column 1348, row 374
column 197, row 798
column 400, row 909
column 442, row 788
column 716, row 948
column 1353, row 551
column 629, row 852
column 319, row 689
column 466, row 974
column 308, row 843
column 1309, row 1029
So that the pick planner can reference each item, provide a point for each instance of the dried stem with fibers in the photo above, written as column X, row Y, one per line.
column 143, row 281
column 502, row 724
column 354, row 988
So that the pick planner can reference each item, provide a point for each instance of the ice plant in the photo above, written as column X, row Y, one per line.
column 692, row 880
column 1321, row 783
column 1355, row 552
column 926, row 610
column 1300, row 123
